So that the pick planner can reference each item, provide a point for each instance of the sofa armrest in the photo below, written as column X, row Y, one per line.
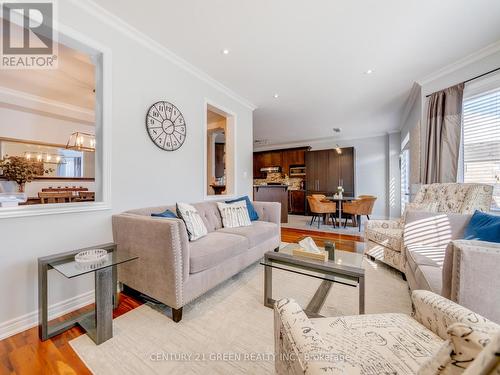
column 298, row 346
column 470, row 276
column 163, row 251
column 268, row 211
column 438, row 313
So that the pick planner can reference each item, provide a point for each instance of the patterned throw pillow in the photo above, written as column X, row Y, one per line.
column 465, row 343
column 234, row 214
column 194, row 223
column 251, row 209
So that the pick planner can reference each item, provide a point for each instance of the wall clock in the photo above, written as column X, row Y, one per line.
column 165, row 125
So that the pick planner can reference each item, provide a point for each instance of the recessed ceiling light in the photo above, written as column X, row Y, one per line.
column 225, row 51
column 369, row 71
column 276, row 96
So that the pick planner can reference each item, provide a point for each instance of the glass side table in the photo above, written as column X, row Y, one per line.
column 98, row 323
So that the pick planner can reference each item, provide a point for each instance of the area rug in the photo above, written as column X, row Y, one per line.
column 227, row 330
column 304, row 222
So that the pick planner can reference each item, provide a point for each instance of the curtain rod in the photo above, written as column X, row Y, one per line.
column 474, row 78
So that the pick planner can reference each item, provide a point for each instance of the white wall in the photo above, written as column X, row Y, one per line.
column 142, row 174
column 371, row 166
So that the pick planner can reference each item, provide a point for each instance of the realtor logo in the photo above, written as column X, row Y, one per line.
column 28, row 36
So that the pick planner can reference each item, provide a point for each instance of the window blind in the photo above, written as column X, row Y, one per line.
column 481, row 141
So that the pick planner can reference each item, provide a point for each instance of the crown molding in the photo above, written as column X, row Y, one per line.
column 463, row 62
column 131, row 32
column 40, row 105
column 314, row 141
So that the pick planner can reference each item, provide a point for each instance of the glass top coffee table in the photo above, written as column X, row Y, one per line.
column 98, row 323
column 346, row 268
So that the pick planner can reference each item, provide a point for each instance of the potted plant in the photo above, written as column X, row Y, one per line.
column 21, row 170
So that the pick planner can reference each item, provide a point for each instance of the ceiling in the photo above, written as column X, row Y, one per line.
column 314, row 54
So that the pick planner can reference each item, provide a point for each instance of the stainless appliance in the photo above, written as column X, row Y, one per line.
column 298, row 171
column 271, row 169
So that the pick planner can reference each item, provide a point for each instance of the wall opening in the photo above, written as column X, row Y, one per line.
column 219, row 152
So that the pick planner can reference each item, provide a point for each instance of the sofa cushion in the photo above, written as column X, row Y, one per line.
column 256, row 233
column 388, row 237
column 210, row 215
column 214, row 249
column 378, row 343
column 428, row 278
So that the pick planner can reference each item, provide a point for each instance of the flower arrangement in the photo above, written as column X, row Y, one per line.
column 21, row 170
column 340, row 191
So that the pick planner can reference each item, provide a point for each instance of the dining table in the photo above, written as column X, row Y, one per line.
column 339, row 201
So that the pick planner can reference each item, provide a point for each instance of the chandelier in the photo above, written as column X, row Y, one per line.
column 81, row 142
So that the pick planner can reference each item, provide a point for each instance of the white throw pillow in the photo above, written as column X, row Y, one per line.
column 234, row 214
column 194, row 223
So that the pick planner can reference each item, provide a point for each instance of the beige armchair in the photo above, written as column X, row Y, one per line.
column 321, row 207
column 440, row 338
column 361, row 206
column 384, row 238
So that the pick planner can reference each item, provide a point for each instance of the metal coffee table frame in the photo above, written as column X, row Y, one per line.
column 326, row 271
column 98, row 323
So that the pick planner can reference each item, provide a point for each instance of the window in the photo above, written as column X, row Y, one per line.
column 481, row 140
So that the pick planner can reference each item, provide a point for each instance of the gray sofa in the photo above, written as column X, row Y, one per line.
column 437, row 259
column 175, row 271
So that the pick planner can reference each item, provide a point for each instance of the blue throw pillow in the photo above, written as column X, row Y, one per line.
column 251, row 209
column 483, row 227
column 166, row 214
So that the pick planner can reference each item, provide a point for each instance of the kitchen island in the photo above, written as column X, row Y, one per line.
column 273, row 193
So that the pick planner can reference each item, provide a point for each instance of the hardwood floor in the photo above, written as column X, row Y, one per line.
column 24, row 353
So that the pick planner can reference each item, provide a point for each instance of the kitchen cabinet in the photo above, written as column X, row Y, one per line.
column 327, row 169
column 273, row 193
column 278, row 158
column 317, row 170
column 296, row 202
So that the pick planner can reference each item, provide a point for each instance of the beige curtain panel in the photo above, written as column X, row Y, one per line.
column 444, row 129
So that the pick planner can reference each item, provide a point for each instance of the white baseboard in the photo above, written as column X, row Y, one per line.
column 30, row 320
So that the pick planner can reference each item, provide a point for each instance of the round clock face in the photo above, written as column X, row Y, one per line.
column 166, row 126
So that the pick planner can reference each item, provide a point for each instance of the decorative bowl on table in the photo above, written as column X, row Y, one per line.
column 91, row 258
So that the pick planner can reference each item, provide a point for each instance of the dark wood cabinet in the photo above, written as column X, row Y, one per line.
column 327, row 169
column 296, row 202
column 278, row 158
column 346, row 170
column 317, row 170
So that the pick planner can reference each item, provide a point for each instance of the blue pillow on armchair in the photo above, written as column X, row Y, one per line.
column 483, row 227
column 166, row 214
column 251, row 209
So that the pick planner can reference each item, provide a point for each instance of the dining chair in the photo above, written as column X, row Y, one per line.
column 320, row 207
column 363, row 205
column 54, row 197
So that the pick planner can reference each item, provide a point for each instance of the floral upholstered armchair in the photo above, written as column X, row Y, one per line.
column 440, row 338
column 384, row 238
